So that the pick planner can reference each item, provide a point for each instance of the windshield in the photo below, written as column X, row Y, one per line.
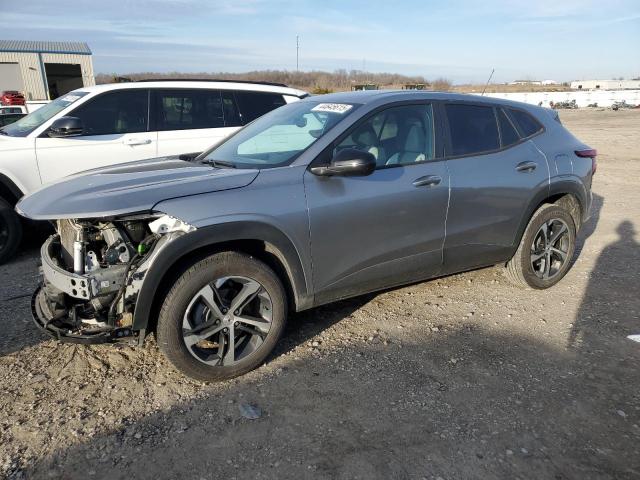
column 278, row 137
column 28, row 124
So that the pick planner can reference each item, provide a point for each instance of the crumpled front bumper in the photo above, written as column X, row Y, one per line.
column 78, row 288
column 44, row 320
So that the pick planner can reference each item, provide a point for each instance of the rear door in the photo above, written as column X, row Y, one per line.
column 116, row 130
column 386, row 228
column 496, row 171
column 192, row 120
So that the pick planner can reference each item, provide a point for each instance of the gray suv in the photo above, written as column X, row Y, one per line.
column 327, row 198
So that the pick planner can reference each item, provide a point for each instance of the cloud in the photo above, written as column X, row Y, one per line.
column 337, row 23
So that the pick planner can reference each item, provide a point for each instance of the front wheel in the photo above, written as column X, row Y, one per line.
column 546, row 249
column 222, row 317
column 10, row 231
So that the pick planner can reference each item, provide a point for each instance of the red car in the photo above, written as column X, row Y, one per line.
column 11, row 97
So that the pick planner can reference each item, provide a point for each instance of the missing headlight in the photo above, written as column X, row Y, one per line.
column 168, row 224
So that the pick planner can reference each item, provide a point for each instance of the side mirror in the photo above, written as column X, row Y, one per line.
column 66, row 127
column 348, row 163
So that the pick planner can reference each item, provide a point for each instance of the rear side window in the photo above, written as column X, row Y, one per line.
column 525, row 122
column 255, row 104
column 189, row 109
column 508, row 132
column 472, row 128
column 116, row 112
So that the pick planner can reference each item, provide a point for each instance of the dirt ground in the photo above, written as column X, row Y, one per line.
column 462, row 377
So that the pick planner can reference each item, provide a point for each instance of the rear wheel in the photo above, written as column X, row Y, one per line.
column 222, row 317
column 546, row 249
column 10, row 231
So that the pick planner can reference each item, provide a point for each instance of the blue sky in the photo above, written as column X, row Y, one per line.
column 459, row 39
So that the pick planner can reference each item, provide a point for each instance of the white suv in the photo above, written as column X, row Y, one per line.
column 107, row 124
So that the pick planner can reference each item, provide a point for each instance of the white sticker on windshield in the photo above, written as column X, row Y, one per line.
column 332, row 107
column 70, row 98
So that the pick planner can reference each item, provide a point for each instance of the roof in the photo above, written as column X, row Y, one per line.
column 224, row 80
column 254, row 87
column 33, row 46
column 381, row 97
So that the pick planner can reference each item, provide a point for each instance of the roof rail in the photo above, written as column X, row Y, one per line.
column 272, row 84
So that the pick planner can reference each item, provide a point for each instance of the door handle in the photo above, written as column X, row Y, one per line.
column 526, row 166
column 137, row 141
column 427, row 181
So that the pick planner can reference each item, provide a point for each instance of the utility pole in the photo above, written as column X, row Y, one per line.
column 297, row 54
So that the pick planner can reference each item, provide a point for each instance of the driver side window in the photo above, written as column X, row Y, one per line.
column 396, row 136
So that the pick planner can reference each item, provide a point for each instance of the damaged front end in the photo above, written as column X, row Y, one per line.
column 92, row 271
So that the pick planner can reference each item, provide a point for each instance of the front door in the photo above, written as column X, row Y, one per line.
column 386, row 228
column 116, row 128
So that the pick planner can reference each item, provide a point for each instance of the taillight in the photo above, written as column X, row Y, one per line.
column 591, row 153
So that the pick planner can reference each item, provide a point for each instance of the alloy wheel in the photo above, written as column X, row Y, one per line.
column 227, row 320
column 550, row 248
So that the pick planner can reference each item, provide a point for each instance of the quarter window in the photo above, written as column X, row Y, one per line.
column 255, row 104
column 508, row 133
column 396, row 136
column 525, row 122
column 117, row 112
column 189, row 109
column 473, row 129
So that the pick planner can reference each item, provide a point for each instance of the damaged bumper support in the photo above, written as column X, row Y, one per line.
column 46, row 321
column 93, row 307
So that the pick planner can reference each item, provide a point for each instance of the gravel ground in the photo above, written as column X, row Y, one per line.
column 461, row 377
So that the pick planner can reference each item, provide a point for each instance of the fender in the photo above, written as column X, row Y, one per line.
column 209, row 236
column 565, row 185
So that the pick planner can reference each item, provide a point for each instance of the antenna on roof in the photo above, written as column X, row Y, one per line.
column 487, row 84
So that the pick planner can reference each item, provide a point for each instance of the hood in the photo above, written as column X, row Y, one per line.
column 128, row 188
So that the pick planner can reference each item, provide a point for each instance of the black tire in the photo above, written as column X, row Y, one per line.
column 203, row 274
column 523, row 270
column 10, row 231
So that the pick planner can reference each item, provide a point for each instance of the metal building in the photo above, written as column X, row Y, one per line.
column 44, row 70
column 606, row 84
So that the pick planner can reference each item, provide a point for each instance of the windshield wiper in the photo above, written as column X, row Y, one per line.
column 221, row 164
column 3, row 132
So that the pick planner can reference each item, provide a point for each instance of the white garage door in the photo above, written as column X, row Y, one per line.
column 10, row 77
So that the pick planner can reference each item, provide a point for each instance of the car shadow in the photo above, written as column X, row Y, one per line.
column 303, row 326
column 463, row 403
column 590, row 226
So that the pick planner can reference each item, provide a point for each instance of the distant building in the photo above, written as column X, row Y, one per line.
column 415, row 86
column 44, row 70
column 364, row 86
column 526, row 82
column 549, row 82
column 606, row 84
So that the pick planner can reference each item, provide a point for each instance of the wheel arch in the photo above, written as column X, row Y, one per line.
column 569, row 193
column 263, row 241
column 9, row 190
